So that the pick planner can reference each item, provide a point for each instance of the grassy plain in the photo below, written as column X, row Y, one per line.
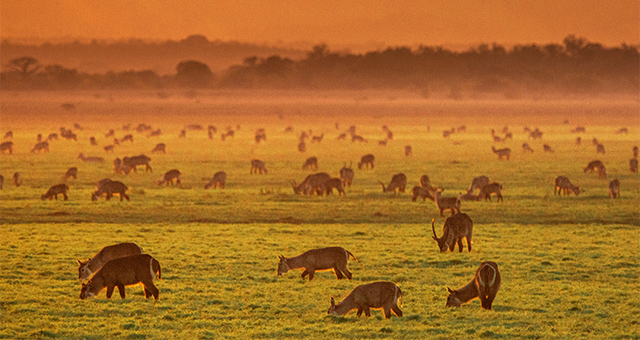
column 570, row 265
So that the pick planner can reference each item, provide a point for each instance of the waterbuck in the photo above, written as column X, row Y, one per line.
column 447, row 203
column 455, row 228
column 602, row 171
column 1, row 182
column 92, row 159
column 334, row 183
column 578, row 129
column 502, row 153
column 121, row 272
column 312, row 183
column 72, row 172
column 160, row 147
column 108, row 148
column 398, row 182
column 368, row 160
column 8, row 134
column 335, row 258
column 109, row 187
column 211, row 130
column 346, row 175
column 356, row 138
column 17, row 179
column 41, row 147
column 633, row 165
column 423, row 193
column 155, row 133
column 468, row 196
column 88, row 267
column 623, row 130
column 408, row 151
column 131, row 163
column 593, row 166
column 491, row 188
column 110, row 133
column 128, row 137
column 484, row 285
column 310, row 163
column 302, row 147
column 578, row 141
column 52, row 136
column 600, row 149
column 92, row 141
column 54, row 191
column 635, row 152
column 169, row 176
column 547, row 148
column 219, row 179
column 317, row 139
column 479, row 183
column 377, row 295
column 526, row 148
column 425, row 182
column 257, row 167
column 614, row 188
column 562, row 184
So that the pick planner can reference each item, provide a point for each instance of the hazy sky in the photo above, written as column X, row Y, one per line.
column 335, row 22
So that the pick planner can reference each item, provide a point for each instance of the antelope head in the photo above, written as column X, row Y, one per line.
column 283, row 267
column 453, row 300
column 332, row 308
column 441, row 241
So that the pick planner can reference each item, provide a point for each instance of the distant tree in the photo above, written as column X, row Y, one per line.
column 25, row 66
column 194, row 74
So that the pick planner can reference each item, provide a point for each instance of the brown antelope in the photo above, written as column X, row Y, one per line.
column 90, row 159
column 578, row 141
column 356, row 138
column 17, row 179
column 491, row 188
column 219, row 179
column 288, row 129
column 602, row 171
column 447, row 203
column 484, row 285
column 310, row 163
column 118, row 167
column 126, row 138
column 160, row 147
column 408, row 151
column 377, row 295
column 156, row 133
column 578, row 129
column 260, row 135
column 116, row 141
column 302, row 147
column 72, row 172
column 563, row 185
column 346, row 175
column 108, row 148
column 368, row 160
column 614, row 188
column 329, row 258
column 398, row 182
column 110, row 133
column 8, row 134
column 1, row 182
column 422, row 192
column 389, row 135
column 593, row 166
column 92, row 141
column 342, row 136
column 623, row 130
column 317, row 139
column 468, row 196
column 54, row 191
column 109, row 187
column 53, row 136
column 121, row 272
column 312, row 183
column 211, row 130
column 600, row 149
column 257, row 167
column 446, row 133
column 507, row 135
column 334, row 183
column 382, row 143
column 547, row 148
column 41, row 147
column 633, row 165
column 88, row 267
column 478, row 183
column 502, row 153
column 526, row 148
column 194, row 127
column 455, row 228
column 126, row 127
column 169, row 176
column 595, row 141
column 131, row 163
column 535, row 134
column 425, row 182
column 183, row 134
column 635, row 152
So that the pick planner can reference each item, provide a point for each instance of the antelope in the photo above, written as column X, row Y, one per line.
column 230, row 133
column 578, row 129
column 368, row 160
column 39, row 138
column 77, row 127
column 211, row 130
column 422, row 192
column 593, row 166
column 92, row 141
column 53, row 136
column 116, row 141
column 88, row 267
column 595, row 142
column 317, row 139
column 389, row 135
column 9, row 134
column 42, row 146
column 479, row 183
column 131, row 163
column 507, row 135
column 356, row 138
column 315, row 182
column 535, row 134
column 623, row 130
column 257, row 167
column 398, row 182
column 288, row 129
column 260, row 135
column 121, row 272
column 118, row 168
column 1, row 181
column 142, row 128
column 407, row 150
column 219, row 179
column 126, row 127
column 109, row 187
column 55, row 190
column 303, row 136
column 346, row 175
column 425, row 182
column 491, row 188
column 310, row 163
column 602, row 171
column 6, row 147
column 126, row 138
column 342, row 136
column 547, row 148
column 183, row 134
column 382, row 143
column 110, row 133
column 72, row 172
column 635, row 152
column 446, row 133
column 17, row 179
column 160, row 147
column 600, row 149
column 502, row 153
column 455, row 228
column 169, row 176
column 335, row 258
column 156, row 133
column 633, row 165
column 377, row 295
column 614, row 188
column 90, row 159
column 334, row 183
column 447, row 203
column 562, row 184
column 468, row 196
column 578, row 141
column 108, row 148
column 302, row 147
column 526, row 148
column 484, row 285
column 194, row 127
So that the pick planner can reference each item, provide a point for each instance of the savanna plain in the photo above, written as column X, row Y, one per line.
column 569, row 265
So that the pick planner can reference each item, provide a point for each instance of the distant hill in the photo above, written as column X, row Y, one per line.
column 161, row 57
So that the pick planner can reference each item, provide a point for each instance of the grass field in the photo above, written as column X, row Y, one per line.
column 570, row 265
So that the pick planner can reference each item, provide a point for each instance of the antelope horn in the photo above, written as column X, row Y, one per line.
column 433, row 227
column 449, row 290
column 495, row 273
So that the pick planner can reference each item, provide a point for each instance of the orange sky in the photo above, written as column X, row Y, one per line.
column 335, row 22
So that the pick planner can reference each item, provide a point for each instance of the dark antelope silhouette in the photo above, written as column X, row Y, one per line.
column 91, row 159
column 484, row 285
column 377, row 295
column 310, row 164
column 367, row 160
column 219, row 179
column 131, row 163
column 491, row 188
column 169, row 176
column 17, row 179
column 329, row 258
column 54, row 191
column 447, row 203
column 455, row 228
column 614, row 188
column 87, row 267
column 563, row 185
column 161, row 147
column 398, row 182
column 346, row 175
column 109, row 187
column 121, row 272
column 502, row 153
column 258, row 167
column 41, row 147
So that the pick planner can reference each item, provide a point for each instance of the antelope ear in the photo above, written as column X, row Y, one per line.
column 449, row 290
column 333, row 302
column 80, row 263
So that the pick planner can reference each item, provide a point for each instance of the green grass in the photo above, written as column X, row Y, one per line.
column 570, row 265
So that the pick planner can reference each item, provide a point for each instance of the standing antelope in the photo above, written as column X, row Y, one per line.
column 329, row 258
column 635, row 152
column 398, row 182
column 317, row 139
column 547, row 148
column 484, row 285
column 92, row 140
column 41, row 147
column 346, row 175
column 88, row 267
column 219, row 179
column 356, row 138
column 17, row 179
column 90, row 159
column 6, row 147
column 302, row 147
column 578, row 141
column 633, row 165
column 54, row 191
column 502, row 153
column 408, row 151
column 169, row 176
column 121, row 272
column 447, row 203
column 377, row 295
column 422, row 192
column 9, row 134
column 614, row 188
column 131, row 163
column 257, row 167
column 593, row 166
column 72, row 172
column 526, row 148
column 455, row 228
column 108, row 148
column 310, row 163
column 478, row 183
column 602, row 171
column 491, row 188
column 160, row 147
column 334, row 183
column 562, row 184
column 109, row 187
column 368, row 160
column 425, row 182
column 600, row 149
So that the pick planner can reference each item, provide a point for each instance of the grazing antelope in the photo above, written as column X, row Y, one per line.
column 389, row 135
column 526, row 148
column 595, row 141
column 302, row 147
column 614, row 188
column 447, row 203
column 257, row 167
column 335, row 258
column 169, row 176
column 72, row 172
column 141, row 128
column 92, row 141
column 547, row 148
column 342, row 136
column 346, row 175
column 633, row 165
column 312, row 183
column 54, row 191
column 77, row 127
column 108, row 148
column 334, row 183
column 578, row 129
column 52, row 136
column 288, row 129
column 497, row 139
column 41, row 147
column 491, row 188
column 109, row 187
column 479, row 183
column 116, row 141
column 623, row 130
column 422, row 192
column 88, row 267
column 90, row 159
column 600, row 149
column 382, row 143
column 602, row 171
column 635, row 152
column 446, row 133
column 194, row 127
column 562, row 184
column 126, row 138
column 356, row 138
column 131, row 163
column 160, row 147
column 377, row 295
column 6, row 147
column 507, row 135
column 9, row 134
column 156, row 133
column 310, row 163
column 425, row 182
column 455, row 228
column 17, row 179
column 593, row 166
column 219, row 179
column 535, row 134
column 484, row 285
column 368, row 160
column 408, row 150
column 502, row 153
column 121, row 272
column 398, row 182
column 578, row 141
column 260, row 135
column 468, row 196
column 183, row 134
column 317, row 139
column 110, row 133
